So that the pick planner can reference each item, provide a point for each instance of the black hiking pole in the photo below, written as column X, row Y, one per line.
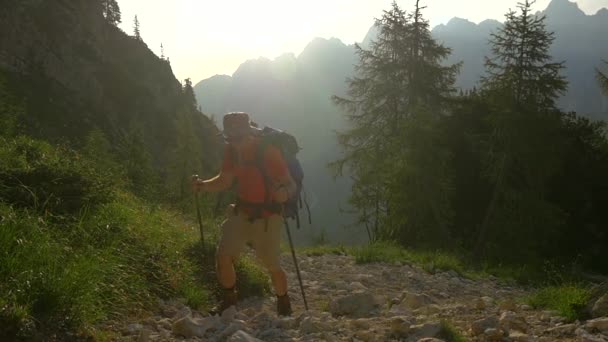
column 295, row 262
column 200, row 221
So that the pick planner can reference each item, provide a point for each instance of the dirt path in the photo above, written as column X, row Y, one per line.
column 373, row 302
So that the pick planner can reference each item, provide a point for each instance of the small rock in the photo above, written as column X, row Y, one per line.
column 508, row 305
column 562, row 330
column 233, row 327
column 358, row 304
column 365, row 335
column 479, row 304
column 399, row 310
column 430, row 339
column 432, row 309
column 525, row 307
column 133, row 329
column 600, row 307
column 241, row 336
column 229, row 314
column 415, row 301
column 511, row 321
column 488, row 301
column 600, row 324
column 547, row 315
column 361, row 324
column 286, row 323
column 400, row 325
column 426, row 330
column 516, row 336
column 493, row 334
column 480, row 326
column 165, row 323
column 556, row 320
column 355, row 285
column 144, row 335
column 187, row 327
column 310, row 325
column 184, row 312
column 585, row 336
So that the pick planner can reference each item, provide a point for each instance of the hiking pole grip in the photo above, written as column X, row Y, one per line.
column 295, row 262
column 200, row 221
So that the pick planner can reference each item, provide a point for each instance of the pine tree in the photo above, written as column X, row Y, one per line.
column 136, row 29
column 522, row 151
column 111, row 11
column 521, row 66
column 162, row 51
column 400, row 88
column 602, row 78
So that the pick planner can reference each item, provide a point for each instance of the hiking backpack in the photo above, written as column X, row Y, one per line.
column 288, row 146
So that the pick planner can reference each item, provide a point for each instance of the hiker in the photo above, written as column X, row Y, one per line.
column 256, row 219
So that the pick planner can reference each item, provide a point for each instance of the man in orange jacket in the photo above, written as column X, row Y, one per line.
column 256, row 218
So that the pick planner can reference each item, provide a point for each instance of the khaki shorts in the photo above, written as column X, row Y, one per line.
column 238, row 231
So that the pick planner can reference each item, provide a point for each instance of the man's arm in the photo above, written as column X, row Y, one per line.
column 218, row 183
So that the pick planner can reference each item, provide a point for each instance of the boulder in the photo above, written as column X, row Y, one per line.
column 241, row 336
column 600, row 307
column 432, row 329
column 480, row 326
column 400, row 325
column 511, row 321
column 358, row 304
column 597, row 324
column 187, row 327
column 415, row 300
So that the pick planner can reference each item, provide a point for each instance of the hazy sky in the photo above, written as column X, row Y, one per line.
column 207, row 37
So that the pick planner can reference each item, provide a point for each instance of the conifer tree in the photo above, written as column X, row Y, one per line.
column 111, row 11
column 400, row 88
column 136, row 29
column 521, row 66
column 602, row 78
column 522, row 150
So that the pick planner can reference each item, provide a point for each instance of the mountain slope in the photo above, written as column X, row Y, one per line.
column 76, row 72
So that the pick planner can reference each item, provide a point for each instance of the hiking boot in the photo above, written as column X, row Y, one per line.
column 283, row 305
column 228, row 300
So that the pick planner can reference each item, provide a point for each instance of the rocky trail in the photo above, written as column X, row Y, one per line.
column 372, row 302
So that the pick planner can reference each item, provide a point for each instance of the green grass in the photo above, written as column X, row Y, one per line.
column 322, row 250
column 449, row 333
column 71, row 259
column 391, row 253
column 568, row 300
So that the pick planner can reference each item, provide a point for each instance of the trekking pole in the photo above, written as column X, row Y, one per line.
column 200, row 221
column 295, row 262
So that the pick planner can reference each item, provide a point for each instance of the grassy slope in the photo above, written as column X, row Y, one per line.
column 71, row 259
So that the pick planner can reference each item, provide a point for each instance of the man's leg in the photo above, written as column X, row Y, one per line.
column 231, row 244
column 279, row 281
column 225, row 271
column 267, row 244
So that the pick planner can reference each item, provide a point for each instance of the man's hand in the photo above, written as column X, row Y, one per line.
column 197, row 184
column 281, row 194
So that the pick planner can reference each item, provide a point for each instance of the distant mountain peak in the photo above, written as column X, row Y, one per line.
column 563, row 9
column 602, row 12
column 460, row 23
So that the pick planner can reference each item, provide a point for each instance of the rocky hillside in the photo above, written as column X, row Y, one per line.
column 377, row 302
